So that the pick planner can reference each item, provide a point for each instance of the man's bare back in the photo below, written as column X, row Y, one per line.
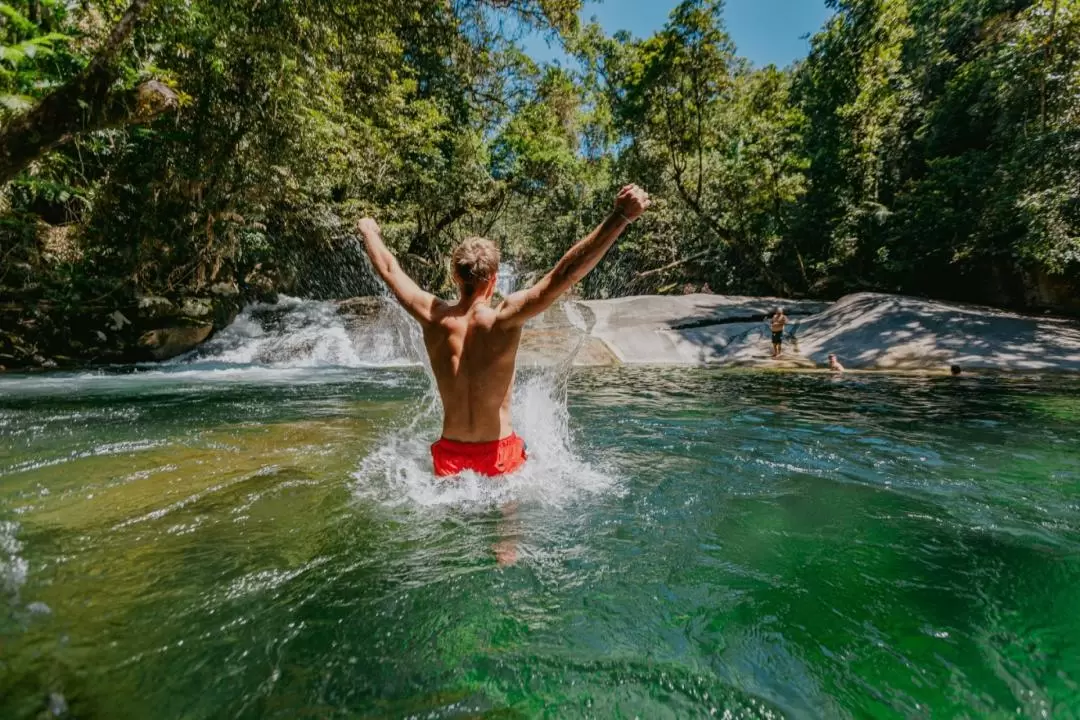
column 473, row 358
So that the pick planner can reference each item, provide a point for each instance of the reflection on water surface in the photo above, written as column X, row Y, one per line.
column 211, row 542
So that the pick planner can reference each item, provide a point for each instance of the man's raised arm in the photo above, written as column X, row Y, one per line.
column 578, row 261
column 417, row 302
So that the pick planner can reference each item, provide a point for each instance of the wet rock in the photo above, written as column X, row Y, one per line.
column 167, row 343
column 155, row 306
column 197, row 307
column 132, row 329
column 561, row 333
column 366, row 308
column 259, row 284
column 119, row 321
column 874, row 331
column 44, row 362
column 224, row 290
column 226, row 308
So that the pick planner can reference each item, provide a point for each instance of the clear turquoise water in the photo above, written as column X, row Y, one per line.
column 264, row 544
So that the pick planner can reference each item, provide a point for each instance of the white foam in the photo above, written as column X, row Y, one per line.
column 575, row 317
column 292, row 341
column 399, row 472
column 13, row 568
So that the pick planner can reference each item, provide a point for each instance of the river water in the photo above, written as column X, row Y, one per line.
column 253, row 532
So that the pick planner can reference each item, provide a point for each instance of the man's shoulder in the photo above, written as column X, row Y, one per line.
column 486, row 318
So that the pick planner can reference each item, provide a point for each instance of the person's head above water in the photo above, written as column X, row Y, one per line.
column 476, row 263
column 955, row 370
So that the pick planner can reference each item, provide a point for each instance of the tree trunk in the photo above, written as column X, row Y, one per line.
column 771, row 278
column 85, row 103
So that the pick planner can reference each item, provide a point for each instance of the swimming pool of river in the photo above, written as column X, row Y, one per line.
column 216, row 541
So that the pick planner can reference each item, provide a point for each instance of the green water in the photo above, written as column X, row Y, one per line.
column 208, row 544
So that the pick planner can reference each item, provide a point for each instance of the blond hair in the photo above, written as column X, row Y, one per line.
column 475, row 262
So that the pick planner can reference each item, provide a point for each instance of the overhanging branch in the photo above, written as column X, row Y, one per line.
column 87, row 102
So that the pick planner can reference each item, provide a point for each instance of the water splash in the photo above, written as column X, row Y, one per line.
column 399, row 472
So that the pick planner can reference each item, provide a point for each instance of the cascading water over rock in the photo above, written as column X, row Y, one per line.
column 315, row 333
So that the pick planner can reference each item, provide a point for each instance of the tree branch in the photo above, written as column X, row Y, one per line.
column 673, row 265
column 86, row 103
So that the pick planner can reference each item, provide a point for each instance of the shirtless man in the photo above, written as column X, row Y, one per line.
column 473, row 347
column 834, row 364
column 779, row 320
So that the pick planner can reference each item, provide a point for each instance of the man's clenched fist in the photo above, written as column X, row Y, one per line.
column 632, row 202
column 367, row 226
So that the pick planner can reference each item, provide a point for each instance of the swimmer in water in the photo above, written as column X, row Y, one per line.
column 834, row 364
column 473, row 346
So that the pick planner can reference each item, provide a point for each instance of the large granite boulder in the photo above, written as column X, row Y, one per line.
column 885, row 332
column 686, row 329
column 867, row 331
column 561, row 335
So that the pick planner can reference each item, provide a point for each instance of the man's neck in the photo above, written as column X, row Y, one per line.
column 468, row 302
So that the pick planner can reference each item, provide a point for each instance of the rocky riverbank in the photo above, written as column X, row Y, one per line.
column 867, row 331
column 148, row 328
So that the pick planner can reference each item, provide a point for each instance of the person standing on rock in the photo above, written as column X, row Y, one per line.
column 777, row 324
column 473, row 347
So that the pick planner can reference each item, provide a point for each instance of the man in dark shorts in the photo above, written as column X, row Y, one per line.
column 779, row 320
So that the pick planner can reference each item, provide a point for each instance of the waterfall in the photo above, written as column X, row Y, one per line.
column 508, row 279
column 315, row 333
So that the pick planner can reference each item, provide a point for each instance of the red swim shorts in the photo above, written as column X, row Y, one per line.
column 500, row 457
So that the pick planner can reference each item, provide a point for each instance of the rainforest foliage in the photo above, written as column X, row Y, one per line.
column 167, row 147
